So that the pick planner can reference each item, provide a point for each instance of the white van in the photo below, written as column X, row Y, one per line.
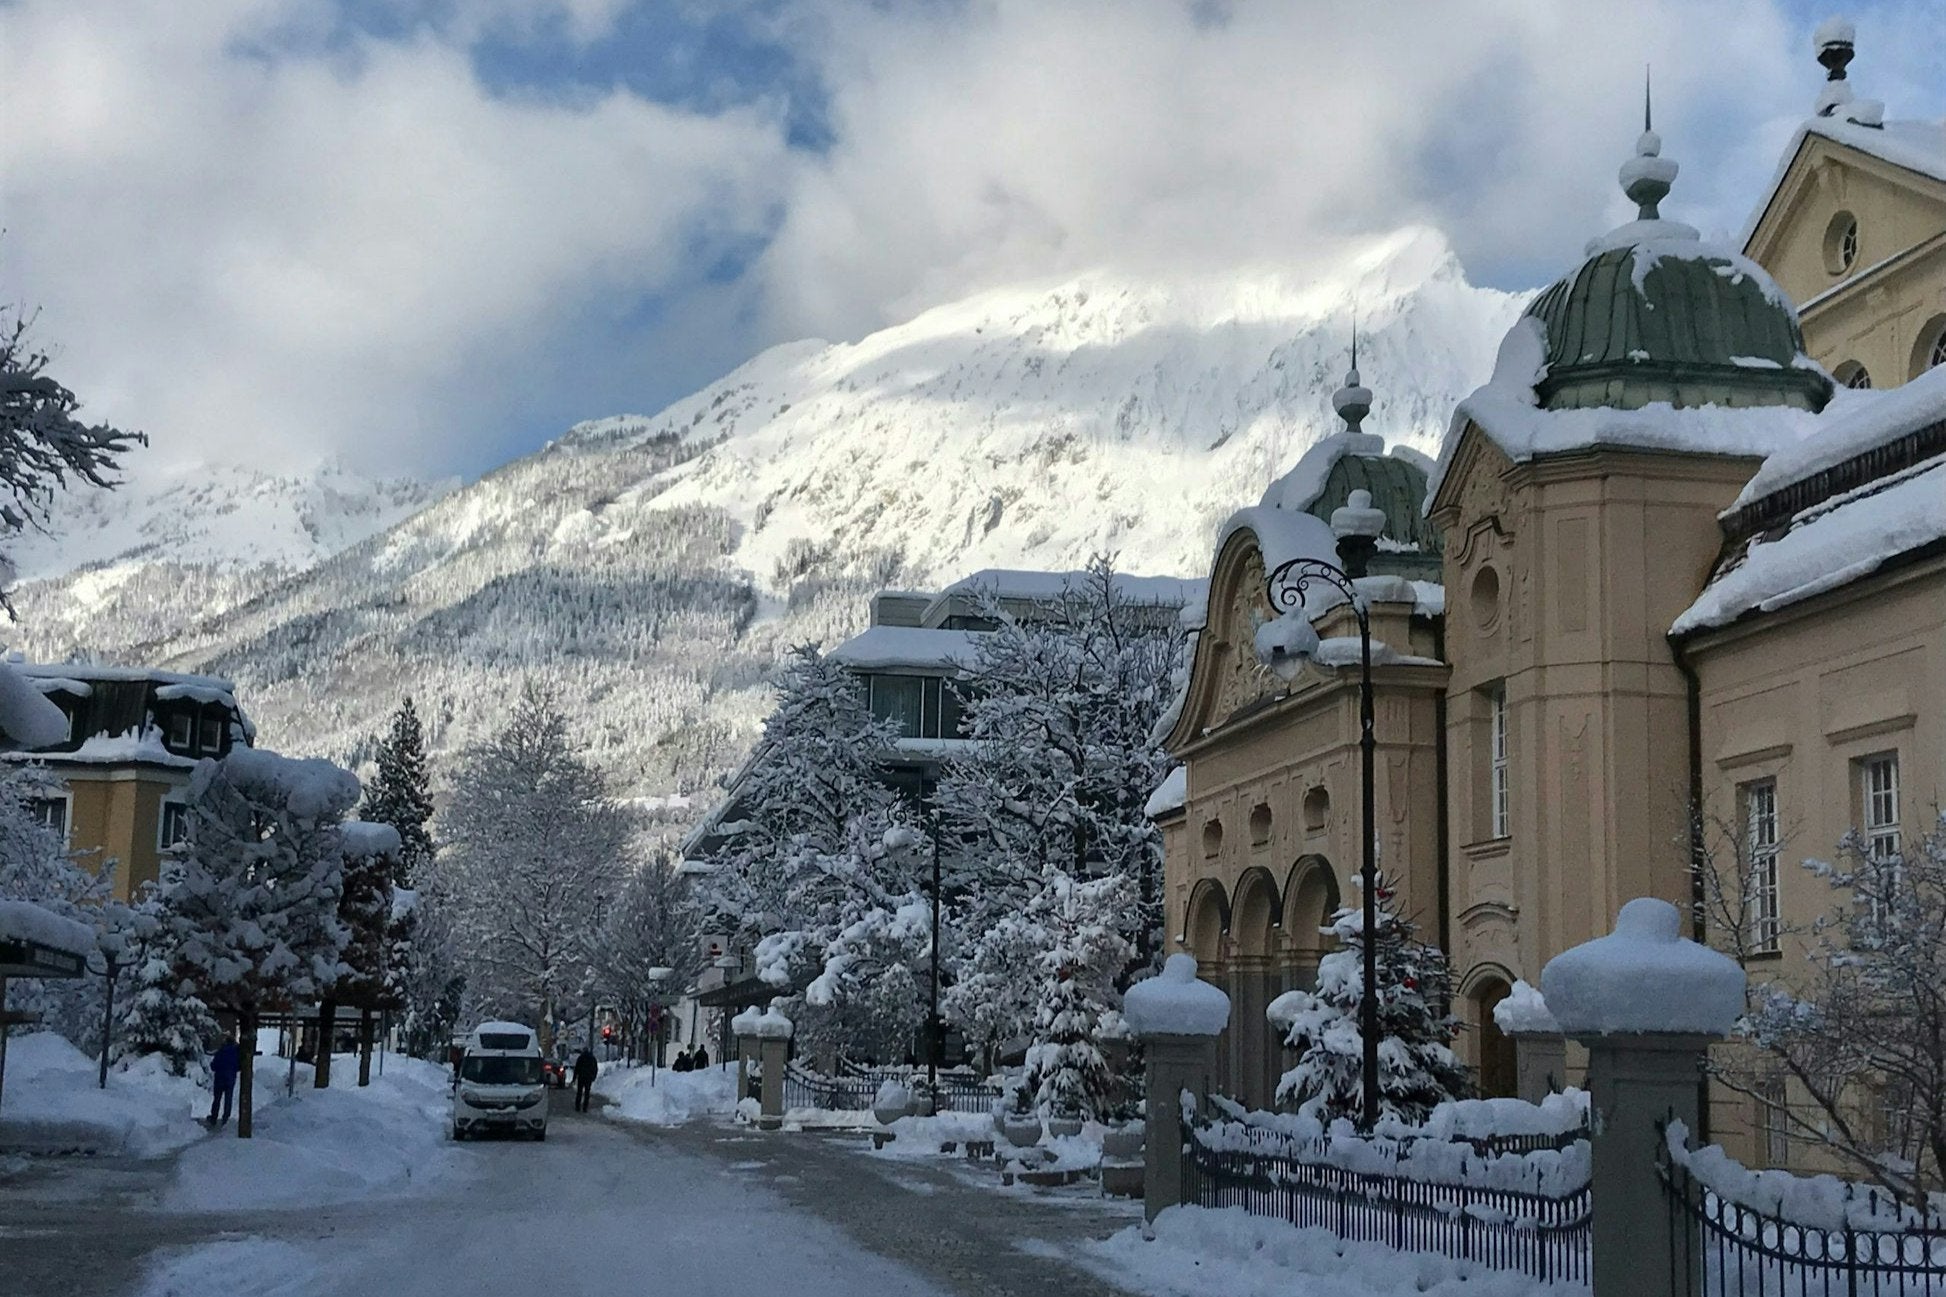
column 500, row 1085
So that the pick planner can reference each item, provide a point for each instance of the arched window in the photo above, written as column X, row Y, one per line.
column 1852, row 374
column 1260, row 824
column 1212, row 837
column 1841, row 243
column 1929, row 349
column 1317, row 810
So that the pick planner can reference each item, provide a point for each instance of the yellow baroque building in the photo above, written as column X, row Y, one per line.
column 1681, row 565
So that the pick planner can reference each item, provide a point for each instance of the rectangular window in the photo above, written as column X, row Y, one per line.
column 1773, row 1122
column 180, row 729
column 210, row 735
column 1879, row 797
column 1498, row 772
column 1760, row 884
column 51, row 811
column 901, row 700
column 173, row 827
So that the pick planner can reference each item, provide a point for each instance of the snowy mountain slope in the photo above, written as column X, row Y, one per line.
column 652, row 569
column 1025, row 428
column 222, row 515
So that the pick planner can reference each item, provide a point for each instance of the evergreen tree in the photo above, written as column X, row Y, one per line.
column 1417, row 1067
column 161, row 1013
column 1082, row 952
column 400, row 794
column 251, row 907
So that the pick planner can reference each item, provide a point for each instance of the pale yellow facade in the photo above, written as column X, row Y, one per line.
column 115, row 814
column 1875, row 301
column 1578, row 739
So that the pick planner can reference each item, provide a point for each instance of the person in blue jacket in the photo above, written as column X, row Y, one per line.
column 223, row 1067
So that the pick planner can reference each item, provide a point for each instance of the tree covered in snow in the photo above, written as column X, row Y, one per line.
column 1081, row 953
column 44, row 448
column 371, row 852
column 161, row 1013
column 651, row 946
column 1063, row 708
column 1859, row 1038
column 532, row 853
column 400, row 793
column 1417, row 1067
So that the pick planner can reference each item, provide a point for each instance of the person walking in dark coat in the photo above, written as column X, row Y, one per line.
column 585, row 1072
column 701, row 1061
column 223, row 1068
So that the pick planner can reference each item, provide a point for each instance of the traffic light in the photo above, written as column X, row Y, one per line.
column 608, row 1031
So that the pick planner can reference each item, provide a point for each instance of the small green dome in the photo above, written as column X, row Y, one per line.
column 1655, row 315
column 1410, row 544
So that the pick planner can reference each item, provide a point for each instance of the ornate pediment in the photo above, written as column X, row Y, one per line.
column 1226, row 679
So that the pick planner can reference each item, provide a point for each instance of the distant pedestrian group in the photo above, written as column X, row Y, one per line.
column 687, row 1061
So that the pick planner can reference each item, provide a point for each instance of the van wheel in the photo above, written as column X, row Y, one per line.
column 458, row 1134
column 541, row 1134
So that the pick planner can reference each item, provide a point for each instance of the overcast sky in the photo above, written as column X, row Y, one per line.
column 427, row 235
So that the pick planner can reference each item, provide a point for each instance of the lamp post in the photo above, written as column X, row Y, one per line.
column 934, row 1043
column 1357, row 526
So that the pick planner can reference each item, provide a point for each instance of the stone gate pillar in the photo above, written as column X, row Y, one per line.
column 1178, row 1018
column 1647, row 1002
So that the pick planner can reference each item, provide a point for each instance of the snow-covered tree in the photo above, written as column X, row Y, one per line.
column 1081, row 954
column 1861, row 1035
column 1063, row 708
column 651, row 947
column 161, row 1012
column 251, row 902
column 371, row 852
column 532, row 853
column 1417, row 1066
column 43, row 448
column 400, row 794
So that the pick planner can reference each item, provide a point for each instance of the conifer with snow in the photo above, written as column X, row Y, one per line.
column 251, row 904
column 400, row 794
column 1417, row 1067
column 161, row 1012
column 532, row 853
column 1078, row 927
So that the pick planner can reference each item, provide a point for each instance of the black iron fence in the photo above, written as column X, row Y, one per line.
column 804, row 1088
column 1542, row 1235
column 1725, row 1248
column 958, row 1090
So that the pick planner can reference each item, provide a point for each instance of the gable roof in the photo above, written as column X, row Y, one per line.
column 1915, row 146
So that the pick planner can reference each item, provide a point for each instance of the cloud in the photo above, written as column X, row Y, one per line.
column 351, row 250
column 264, row 231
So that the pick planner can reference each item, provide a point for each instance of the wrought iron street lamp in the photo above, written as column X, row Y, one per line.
column 1357, row 526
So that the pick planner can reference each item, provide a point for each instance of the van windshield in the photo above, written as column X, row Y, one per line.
column 483, row 1070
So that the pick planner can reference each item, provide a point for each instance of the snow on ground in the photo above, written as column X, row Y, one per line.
column 52, row 1102
column 916, row 1137
column 1197, row 1251
column 326, row 1146
column 660, row 1097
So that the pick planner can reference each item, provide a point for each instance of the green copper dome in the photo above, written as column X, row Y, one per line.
column 1654, row 314
column 1667, row 319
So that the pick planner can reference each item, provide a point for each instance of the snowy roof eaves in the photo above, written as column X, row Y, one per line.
column 1045, row 587
column 1826, row 547
column 1915, row 146
column 878, row 648
column 99, row 674
column 1854, row 423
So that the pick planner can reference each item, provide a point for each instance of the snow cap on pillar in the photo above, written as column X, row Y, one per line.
column 1644, row 977
column 767, row 1024
column 1175, row 1003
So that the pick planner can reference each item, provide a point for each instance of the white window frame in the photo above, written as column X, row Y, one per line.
column 1499, row 777
column 1878, row 792
column 66, row 799
column 187, row 720
column 162, row 843
column 1761, row 844
column 1774, row 1126
column 205, row 722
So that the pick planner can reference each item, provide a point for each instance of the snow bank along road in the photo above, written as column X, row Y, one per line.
column 600, row 1208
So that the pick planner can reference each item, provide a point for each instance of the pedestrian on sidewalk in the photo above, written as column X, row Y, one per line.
column 700, row 1063
column 585, row 1072
column 224, row 1065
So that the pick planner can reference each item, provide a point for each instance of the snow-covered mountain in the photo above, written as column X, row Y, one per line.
column 220, row 515
column 653, row 568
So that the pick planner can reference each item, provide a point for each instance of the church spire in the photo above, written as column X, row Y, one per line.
column 1647, row 177
column 1353, row 401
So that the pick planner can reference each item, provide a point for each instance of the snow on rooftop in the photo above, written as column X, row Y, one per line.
column 1176, row 1003
column 1916, row 145
column 882, row 647
column 1506, row 410
column 61, row 685
column 1645, row 976
column 1010, row 583
column 1855, row 422
column 26, row 716
column 26, row 921
column 1169, row 795
column 1827, row 546
column 98, row 673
